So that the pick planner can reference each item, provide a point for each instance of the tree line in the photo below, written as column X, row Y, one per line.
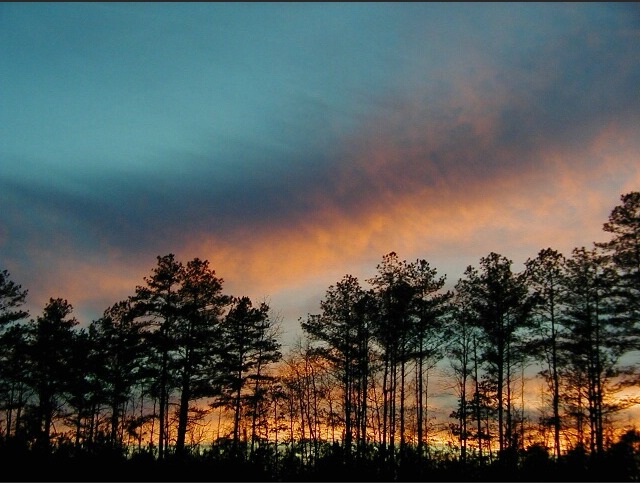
column 181, row 370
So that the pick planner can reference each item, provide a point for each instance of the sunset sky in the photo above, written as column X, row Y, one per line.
column 291, row 144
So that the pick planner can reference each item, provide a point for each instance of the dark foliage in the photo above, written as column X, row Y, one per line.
column 123, row 399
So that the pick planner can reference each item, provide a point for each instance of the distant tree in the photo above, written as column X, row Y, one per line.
column 304, row 377
column 50, row 338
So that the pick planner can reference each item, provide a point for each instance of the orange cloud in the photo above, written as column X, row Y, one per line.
column 441, row 179
column 561, row 201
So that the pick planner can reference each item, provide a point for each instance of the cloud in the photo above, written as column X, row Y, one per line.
column 521, row 140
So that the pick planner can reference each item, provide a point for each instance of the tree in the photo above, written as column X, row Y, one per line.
column 12, row 356
column 624, row 251
column 461, row 342
column 394, row 294
column 305, row 377
column 12, row 297
column 343, row 330
column 119, row 354
column 83, row 391
column 429, row 307
column 596, row 339
column 499, row 305
column 246, row 349
column 50, row 338
column 267, row 352
column 158, row 304
column 14, row 376
column 544, row 275
column 197, row 336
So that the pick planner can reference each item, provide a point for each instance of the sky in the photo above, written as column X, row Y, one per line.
column 291, row 144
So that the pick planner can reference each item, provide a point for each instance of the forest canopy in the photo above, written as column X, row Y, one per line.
column 540, row 369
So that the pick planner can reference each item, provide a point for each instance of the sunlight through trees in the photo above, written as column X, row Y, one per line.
column 180, row 370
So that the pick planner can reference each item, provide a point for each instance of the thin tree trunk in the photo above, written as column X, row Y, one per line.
column 385, row 404
column 183, row 416
column 115, row 417
column 402, row 400
column 426, row 412
column 420, row 413
column 162, row 403
column 477, row 397
column 236, row 417
column 556, row 389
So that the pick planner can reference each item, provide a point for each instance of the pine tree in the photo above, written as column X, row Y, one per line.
column 544, row 276
column 12, row 297
column 428, row 310
column 624, row 251
column 197, row 335
column 119, row 355
column 245, row 351
column 343, row 333
column 50, row 339
column 14, row 376
column 157, row 303
column 392, row 330
column 500, row 307
column 460, row 335
column 595, row 339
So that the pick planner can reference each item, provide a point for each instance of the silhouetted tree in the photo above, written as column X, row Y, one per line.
column 460, row 351
column 84, row 392
column 14, row 375
column 12, row 350
column 12, row 297
column 119, row 354
column 498, row 301
column 197, row 336
column 343, row 330
column 306, row 374
column 245, row 351
column 392, row 328
column 595, row 339
column 158, row 304
column 429, row 307
column 50, row 338
column 544, row 275
column 268, row 352
column 624, row 251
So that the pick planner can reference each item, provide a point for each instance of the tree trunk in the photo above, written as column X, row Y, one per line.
column 420, row 414
column 183, row 416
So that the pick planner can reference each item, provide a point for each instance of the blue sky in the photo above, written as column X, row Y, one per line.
column 290, row 144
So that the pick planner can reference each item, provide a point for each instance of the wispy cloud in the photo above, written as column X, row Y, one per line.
column 310, row 148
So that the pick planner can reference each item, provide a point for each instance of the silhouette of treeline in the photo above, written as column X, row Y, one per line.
column 182, row 382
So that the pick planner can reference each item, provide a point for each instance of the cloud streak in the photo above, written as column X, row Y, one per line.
column 509, row 135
